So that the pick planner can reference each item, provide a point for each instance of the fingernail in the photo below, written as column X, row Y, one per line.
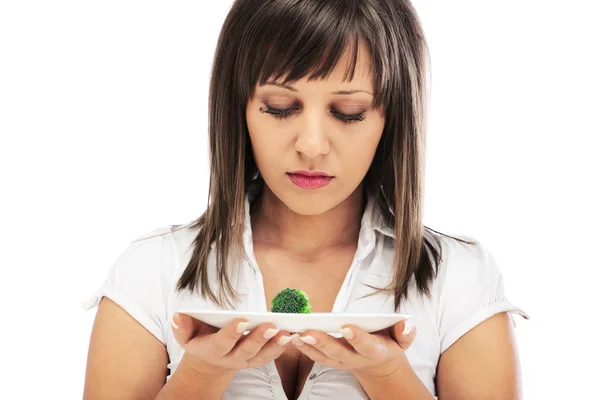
column 241, row 327
column 173, row 324
column 297, row 342
column 283, row 340
column 308, row 339
column 408, row 325
column 269, row 333
column 347, row 333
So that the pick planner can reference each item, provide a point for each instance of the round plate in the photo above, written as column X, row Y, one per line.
column 326, row 322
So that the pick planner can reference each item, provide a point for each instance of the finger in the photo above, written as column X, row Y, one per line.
column 366, row 344
column 186, row 328
column 335, row 349
column 314, row 354
column 271, row 350
column 404, row 333
column 227, row 337
column 250, row 345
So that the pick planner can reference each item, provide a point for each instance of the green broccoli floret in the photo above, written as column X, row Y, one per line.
column 291, row 301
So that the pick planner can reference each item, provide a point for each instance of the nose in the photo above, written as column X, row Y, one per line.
column 312, row 138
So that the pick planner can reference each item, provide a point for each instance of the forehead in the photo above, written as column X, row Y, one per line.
column 362, row 74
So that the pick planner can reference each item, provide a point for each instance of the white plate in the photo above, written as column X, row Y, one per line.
column 326, row 322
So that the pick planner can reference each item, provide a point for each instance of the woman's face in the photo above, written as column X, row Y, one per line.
column 322, row 131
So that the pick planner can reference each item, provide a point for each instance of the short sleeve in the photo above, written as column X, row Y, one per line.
column 472, row 290
column 138, row 280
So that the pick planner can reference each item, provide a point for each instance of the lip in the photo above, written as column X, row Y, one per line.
column 310, row 173
column 309, row 182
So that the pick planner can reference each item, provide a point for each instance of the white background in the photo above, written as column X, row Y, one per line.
column 103, row 122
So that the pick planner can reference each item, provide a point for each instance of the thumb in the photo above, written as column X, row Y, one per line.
column 186, row 328
column 404, row 333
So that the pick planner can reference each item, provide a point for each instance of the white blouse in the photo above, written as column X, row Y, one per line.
column 467, row 290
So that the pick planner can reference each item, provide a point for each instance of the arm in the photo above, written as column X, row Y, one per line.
column 188, row 381
column 377, row 360
column 404, row 384
column 127, row 361
column 124, row 359
column 482, row 364
column 228, row 350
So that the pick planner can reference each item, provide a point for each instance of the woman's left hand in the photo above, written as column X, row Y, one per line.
column 377, row 354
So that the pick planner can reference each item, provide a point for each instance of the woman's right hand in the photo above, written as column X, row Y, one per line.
column 216, row 351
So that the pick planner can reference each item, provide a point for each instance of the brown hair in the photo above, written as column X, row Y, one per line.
column 267, row 39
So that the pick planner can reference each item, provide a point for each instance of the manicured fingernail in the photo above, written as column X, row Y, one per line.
column 241, row 327
column 407, row 328
column 308, row 339
column 297, row 342
column 347, row 333
column 283, row 340
column 269, row 333
column 173, row 324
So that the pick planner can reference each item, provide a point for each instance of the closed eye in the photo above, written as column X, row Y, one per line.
column 284, row 113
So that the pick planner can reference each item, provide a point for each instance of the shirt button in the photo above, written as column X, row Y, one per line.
column 274, row 378
column 312, row 376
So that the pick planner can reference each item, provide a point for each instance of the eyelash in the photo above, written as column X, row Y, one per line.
column 285, row 113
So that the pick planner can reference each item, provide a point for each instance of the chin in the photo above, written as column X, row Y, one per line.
column 308, row 202
column 308, row 209
column 311, row 203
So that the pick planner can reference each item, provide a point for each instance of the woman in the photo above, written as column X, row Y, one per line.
column 317, row 124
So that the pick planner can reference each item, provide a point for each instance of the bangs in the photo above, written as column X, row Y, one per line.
column 308, row 39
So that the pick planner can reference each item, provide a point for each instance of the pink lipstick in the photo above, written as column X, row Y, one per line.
column 309, row 179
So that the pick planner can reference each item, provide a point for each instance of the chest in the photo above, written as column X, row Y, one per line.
column 295, row 371
column 321, row 280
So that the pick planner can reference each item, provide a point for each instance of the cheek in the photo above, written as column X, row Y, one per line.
column 266, row 146
column 357, row 154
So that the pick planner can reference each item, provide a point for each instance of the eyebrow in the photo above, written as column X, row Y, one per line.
column 283, row 85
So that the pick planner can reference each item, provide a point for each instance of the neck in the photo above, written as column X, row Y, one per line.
column 276, row 225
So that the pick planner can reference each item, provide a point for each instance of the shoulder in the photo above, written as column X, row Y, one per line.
column 460, row 262
column 172, row 239
column 147, row 257
column 157, row 232
column 149, row 260
column 139, row 279
column 469, row 288
column 467, row 274
column 464, row 259
column 455, row 255
column 183, row 239
column 150, row 249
